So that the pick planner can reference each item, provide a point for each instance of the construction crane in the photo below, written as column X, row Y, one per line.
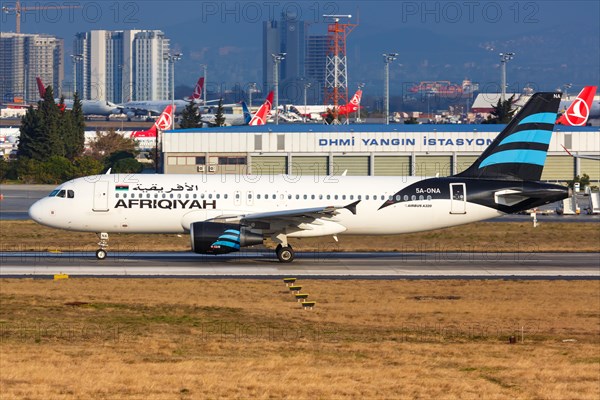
column 336, row 74
column 18, row 10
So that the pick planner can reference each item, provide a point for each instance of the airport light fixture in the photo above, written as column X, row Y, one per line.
column 360, row 86
column 251, row 89
column 171, row 60
column 504, row 58
column 306, row 87
column 277, row 59
column 75, row 58
column 204, row 66
column 387, row 59
column 566, row 87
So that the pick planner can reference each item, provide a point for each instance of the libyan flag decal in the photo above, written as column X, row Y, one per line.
column 122, row 187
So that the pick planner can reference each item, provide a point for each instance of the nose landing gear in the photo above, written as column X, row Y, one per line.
column 101, row 253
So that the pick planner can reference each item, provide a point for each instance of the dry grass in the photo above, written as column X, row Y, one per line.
column 188, row 339
column 485, row 236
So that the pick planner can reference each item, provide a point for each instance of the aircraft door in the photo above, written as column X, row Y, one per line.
column 100, row 196
column 458, row 198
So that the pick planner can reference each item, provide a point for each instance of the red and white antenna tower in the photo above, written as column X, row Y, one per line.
column 336, row 72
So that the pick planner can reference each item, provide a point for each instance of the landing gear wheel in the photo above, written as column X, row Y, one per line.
column 285, row 254
column 101, row 254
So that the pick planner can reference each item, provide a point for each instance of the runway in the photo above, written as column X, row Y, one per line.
column 264, row 265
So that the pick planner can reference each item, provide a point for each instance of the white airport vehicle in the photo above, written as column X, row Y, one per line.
column 225, row 213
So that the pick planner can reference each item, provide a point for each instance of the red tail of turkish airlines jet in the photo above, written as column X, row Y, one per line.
column 579, row 111
column 352, row 106
column 260, row 118
column 197, row 94
column 162, row 123
column 41, row 88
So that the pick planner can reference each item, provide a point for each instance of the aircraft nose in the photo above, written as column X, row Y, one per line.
column 36, row 212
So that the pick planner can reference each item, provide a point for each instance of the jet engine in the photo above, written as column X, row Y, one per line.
column 217, row 238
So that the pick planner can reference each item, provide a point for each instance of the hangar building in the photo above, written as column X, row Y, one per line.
column 362, row 149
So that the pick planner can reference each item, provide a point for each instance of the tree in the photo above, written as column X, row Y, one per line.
column 74, row 139
column 49, row 115
column 220, row 114
column 190, row 117
column 107, row 143
column 32, row 144
column 503, row 112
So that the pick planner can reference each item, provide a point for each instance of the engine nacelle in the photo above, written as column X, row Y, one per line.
column 217, row 238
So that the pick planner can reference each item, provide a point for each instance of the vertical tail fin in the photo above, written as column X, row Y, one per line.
column 247, row 113
column 166, row 118
column 197, row 94
column 41, row 88
column 519, row 151
column 260, row 118
column 578, row 112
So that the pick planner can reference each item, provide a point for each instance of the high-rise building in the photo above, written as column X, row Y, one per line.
column 285, row 36
column 23, row 57
column 315, row 66
column 120, row 66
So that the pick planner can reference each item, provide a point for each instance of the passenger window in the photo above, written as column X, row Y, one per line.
column 359, row 197
column 335, row 197
column 343, row 197
column 164, row 196
column 421, row 197
column 305, row 197
column 258, row 197
column 210, row 195
column 405, row 197
column 320, row 197
column 195, row 195
column 297, row 197
column 275, row 197
column 124, row 195
column 218, row 196
column 202, row 196
column 366, row 197
column 428, row 197
column 225, row 196
column 312, row 197
column 413, row 197
column 187, row 196
column 171, row 195
column 398, row 197
column 328, row 197
column 148, row 195
column 70, row 194
column 249, row 196
column 117, row 195
column 351, row 197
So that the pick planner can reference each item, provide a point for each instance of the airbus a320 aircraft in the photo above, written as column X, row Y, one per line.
column 225, row 213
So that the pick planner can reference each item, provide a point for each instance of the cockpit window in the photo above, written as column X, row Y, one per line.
column 62, row 193
column 53, row 193
column 70, row 194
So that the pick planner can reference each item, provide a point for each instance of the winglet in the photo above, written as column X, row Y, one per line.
column 352, row 207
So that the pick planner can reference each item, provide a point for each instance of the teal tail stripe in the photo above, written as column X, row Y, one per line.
column 233, row 231
column 537, row 157
column 539, row 118
column 530, row 136
column 226, row 244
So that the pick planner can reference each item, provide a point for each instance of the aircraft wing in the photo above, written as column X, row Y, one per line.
column 295, row 218
column 302, row 213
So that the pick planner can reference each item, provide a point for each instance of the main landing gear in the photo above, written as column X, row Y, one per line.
column 103, row 243
column 285, row 254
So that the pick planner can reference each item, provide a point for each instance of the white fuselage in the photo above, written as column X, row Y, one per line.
column 170, row 203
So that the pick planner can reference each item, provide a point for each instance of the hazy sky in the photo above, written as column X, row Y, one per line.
column 227, row 35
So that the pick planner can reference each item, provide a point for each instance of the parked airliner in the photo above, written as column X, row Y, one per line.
column 224, row 213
